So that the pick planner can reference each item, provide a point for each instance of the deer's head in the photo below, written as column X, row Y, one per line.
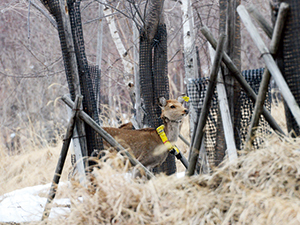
column 172, row 109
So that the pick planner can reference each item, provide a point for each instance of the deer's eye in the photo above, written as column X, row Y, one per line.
column 172, row 107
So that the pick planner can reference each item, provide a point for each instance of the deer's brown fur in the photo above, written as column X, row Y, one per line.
column 145, row 144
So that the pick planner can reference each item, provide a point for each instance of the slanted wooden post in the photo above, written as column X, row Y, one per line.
column 62, row 156
column 239, row 77
column 263, row 89
column 260, row 19
column 106, row 136
column 225, row 114
column 278, row 28
column 74, row 86
column 205, row 109
column 270, row 63
column 226, row 119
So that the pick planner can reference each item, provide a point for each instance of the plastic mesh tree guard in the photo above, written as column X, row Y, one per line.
column 253, row 77
column 87, row 89
column 155, row 83
column 146, row 78
column 160, row 70
column 94, row 141
column 161, row 85
column 196, row 90
column 291, row 58
column 95, row 75
column 54, row 8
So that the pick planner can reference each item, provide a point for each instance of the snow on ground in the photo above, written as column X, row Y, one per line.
column 25, row 205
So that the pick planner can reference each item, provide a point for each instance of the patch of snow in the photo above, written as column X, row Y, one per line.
column 25, row 205
column 180, row 175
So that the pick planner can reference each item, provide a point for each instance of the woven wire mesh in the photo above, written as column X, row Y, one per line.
column 161, row 85
column 196, row 89
column 94, row 141
column 154, row 83
column 146, row 78
column 291, row 58
column 160, row 70
column 253, row 77
column 54, row 9
column 95, row 75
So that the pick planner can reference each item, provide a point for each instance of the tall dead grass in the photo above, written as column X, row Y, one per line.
column 261, row 187
column 30, row 167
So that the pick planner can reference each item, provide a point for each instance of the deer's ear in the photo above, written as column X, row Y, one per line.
column 180, row 99
column 162, row 102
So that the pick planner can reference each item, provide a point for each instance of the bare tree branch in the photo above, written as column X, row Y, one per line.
column 52, row 21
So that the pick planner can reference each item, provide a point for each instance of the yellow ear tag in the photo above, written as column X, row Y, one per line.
column 186, row 98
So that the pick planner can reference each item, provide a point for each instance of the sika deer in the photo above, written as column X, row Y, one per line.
column 145, row 144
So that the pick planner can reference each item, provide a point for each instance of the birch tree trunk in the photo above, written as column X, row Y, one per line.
column 128, row 67
column 99, row 47
column 190, row 57
column 137, row 84
column 189, row 49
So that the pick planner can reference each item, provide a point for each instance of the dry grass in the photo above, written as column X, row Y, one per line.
column 279, row 114
column 29, row 168
column 261, row 187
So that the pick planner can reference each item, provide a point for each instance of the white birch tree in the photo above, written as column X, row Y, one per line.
column 189, row 49
column 128, row 67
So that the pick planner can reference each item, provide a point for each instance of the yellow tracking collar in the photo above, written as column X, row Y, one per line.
column 164, row 138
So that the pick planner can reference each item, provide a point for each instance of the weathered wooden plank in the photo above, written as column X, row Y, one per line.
column 225, row 114
column 270, row 63
column 239, row 77
column 62, row 156
column 263, row 23
column 205, row 109
column 74, row 84
column 106, row 136
column 263, row 89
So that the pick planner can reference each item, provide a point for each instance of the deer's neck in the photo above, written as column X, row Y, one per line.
column 172, row 129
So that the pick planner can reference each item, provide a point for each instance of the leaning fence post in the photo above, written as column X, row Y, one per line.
column 205, row 108
column 260, row 19
column 106, row 136
column 225, row 113
column 62, row 157
column 278, row 28
column 270, row 63
column 239, row 77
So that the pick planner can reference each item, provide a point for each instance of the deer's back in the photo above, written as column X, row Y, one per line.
column 145, row 144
